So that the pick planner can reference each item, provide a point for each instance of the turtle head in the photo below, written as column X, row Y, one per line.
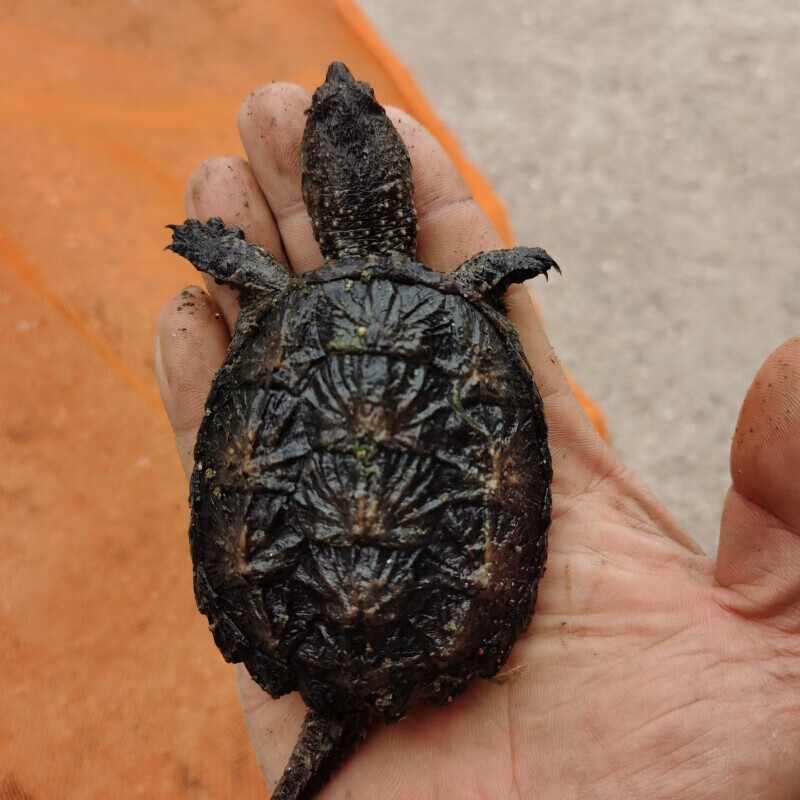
column 342, row 94
column 357, row 181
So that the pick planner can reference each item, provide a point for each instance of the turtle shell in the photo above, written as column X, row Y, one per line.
column 371, row 494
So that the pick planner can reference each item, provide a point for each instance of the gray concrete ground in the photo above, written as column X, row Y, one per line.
column 654, row 149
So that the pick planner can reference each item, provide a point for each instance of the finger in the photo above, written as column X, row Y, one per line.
column 271, row 122
column 273, row 725
column 758, row 560
column 191, row 342
column 227, row 188
column 582, row 461
column 569, row 428
column 452, row 226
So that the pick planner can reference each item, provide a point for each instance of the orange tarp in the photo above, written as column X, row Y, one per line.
column 109, row 682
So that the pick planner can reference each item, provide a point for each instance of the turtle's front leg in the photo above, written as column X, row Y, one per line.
column 490, row 274
column 223, row 254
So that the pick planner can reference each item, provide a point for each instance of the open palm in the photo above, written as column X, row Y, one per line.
column 650, row 669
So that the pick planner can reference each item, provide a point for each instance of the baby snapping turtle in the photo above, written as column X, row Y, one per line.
column 371, row 494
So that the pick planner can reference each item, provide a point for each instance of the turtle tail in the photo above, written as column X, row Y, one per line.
column 323, row 745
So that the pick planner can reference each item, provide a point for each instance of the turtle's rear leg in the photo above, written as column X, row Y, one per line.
column 490, row 274
column 323, row 745
column 223, row 254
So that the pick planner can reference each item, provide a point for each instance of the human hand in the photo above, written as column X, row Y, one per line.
column 651, row 669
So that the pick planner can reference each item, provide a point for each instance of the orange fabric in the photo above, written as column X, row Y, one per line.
column 109, row 683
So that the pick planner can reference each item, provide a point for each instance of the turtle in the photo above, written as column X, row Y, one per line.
column 371, row 493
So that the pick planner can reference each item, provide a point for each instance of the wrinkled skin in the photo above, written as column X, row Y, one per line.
column 652, row 669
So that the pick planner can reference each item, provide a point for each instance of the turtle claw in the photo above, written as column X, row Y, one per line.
column 223, row 253
column 490, row 274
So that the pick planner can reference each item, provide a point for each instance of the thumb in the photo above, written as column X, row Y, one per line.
column 759, row 549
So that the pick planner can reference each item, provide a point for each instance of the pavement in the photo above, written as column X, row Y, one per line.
column 653, row 149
